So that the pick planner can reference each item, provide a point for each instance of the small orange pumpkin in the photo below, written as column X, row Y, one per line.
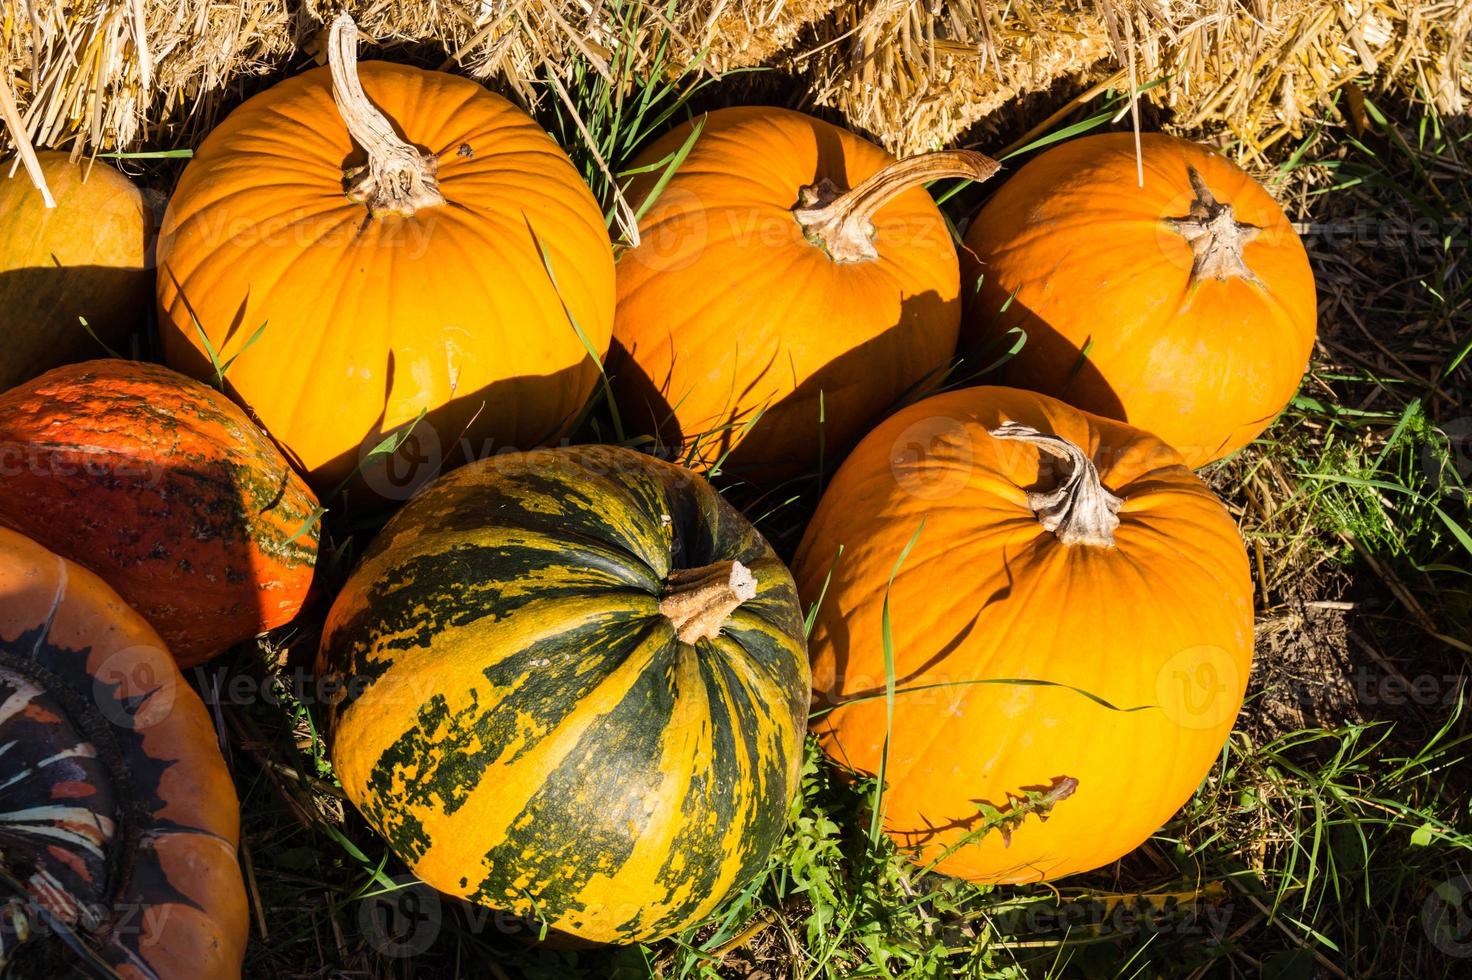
column 1184, row 306
column 1056, row 560
column 449, row 274
column 163, row 487
column 792, row 282
column 120, row 819
column 87, row 257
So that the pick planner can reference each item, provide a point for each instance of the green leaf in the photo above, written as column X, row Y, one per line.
column 675, row 160
column 876, row 817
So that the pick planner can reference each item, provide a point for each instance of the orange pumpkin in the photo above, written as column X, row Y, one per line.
column 163, row 487
column 1059, row 560
column 120, row 819
column 1184, row 306
column 87, row 257
column 791, row 283
column 353, row 280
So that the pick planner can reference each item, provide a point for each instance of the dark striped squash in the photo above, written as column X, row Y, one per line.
column 118, row 818
column 167, row 490
column 572, row 684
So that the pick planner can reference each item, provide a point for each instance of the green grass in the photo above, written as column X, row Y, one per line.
column 1337, row 816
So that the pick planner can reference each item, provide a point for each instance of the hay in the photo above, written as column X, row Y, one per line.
column 117, row 73
column 917, row 75
column 123, row 74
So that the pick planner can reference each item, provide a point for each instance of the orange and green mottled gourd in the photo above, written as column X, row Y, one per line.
column 87, row 257
column 1184, row 306
column 1071, row 626
column 120, row 821
column 571, row 684
column 792, row 283
column 163, row 487
column 366, row 243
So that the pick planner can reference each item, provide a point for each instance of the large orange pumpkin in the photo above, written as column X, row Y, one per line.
column 791, row 283
column 118, row 817
column 87, row 257
column 1064, row 559
column 163, row 487
column 451, row 276
column 1184, row 306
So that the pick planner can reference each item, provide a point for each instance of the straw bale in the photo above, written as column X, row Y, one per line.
column 918, row 73
column 121, row 74
column 124, row 74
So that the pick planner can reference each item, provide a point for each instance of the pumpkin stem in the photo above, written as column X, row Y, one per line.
column 1215, row 235
column 397, row 179
column 1079, row 510
column 842, row 224
column 699, row 600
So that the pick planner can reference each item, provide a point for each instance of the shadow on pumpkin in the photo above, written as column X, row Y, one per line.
column 839, row 641
column 118, row 466
column 185, row 511
column 814, row 426
column 1055, row 364
column 392, row 462
column 40, row 309
column 125, row 814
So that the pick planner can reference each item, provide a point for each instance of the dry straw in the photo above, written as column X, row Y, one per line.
column 121, row 74
column 919, row 74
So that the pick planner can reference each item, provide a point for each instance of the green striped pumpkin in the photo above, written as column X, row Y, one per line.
column 571, row 684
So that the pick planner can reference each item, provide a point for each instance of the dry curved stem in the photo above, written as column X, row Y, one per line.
column 397, row 179
column 699, row 600
column 1215, row 235
column 842, row 223
column 1079, row 510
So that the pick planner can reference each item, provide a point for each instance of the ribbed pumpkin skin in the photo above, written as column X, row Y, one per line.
column 1164, row 619
column 1088, row 261
column 370, row 321
column 163, row 487
column 726, row 308
column 87, row 257
column 115, row 796
column 522, row 724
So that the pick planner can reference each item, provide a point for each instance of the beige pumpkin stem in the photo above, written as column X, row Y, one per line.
column 698, row 601
column 1079, row 510
column 1215, row 235
column 842, row 223
column 397, row 179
